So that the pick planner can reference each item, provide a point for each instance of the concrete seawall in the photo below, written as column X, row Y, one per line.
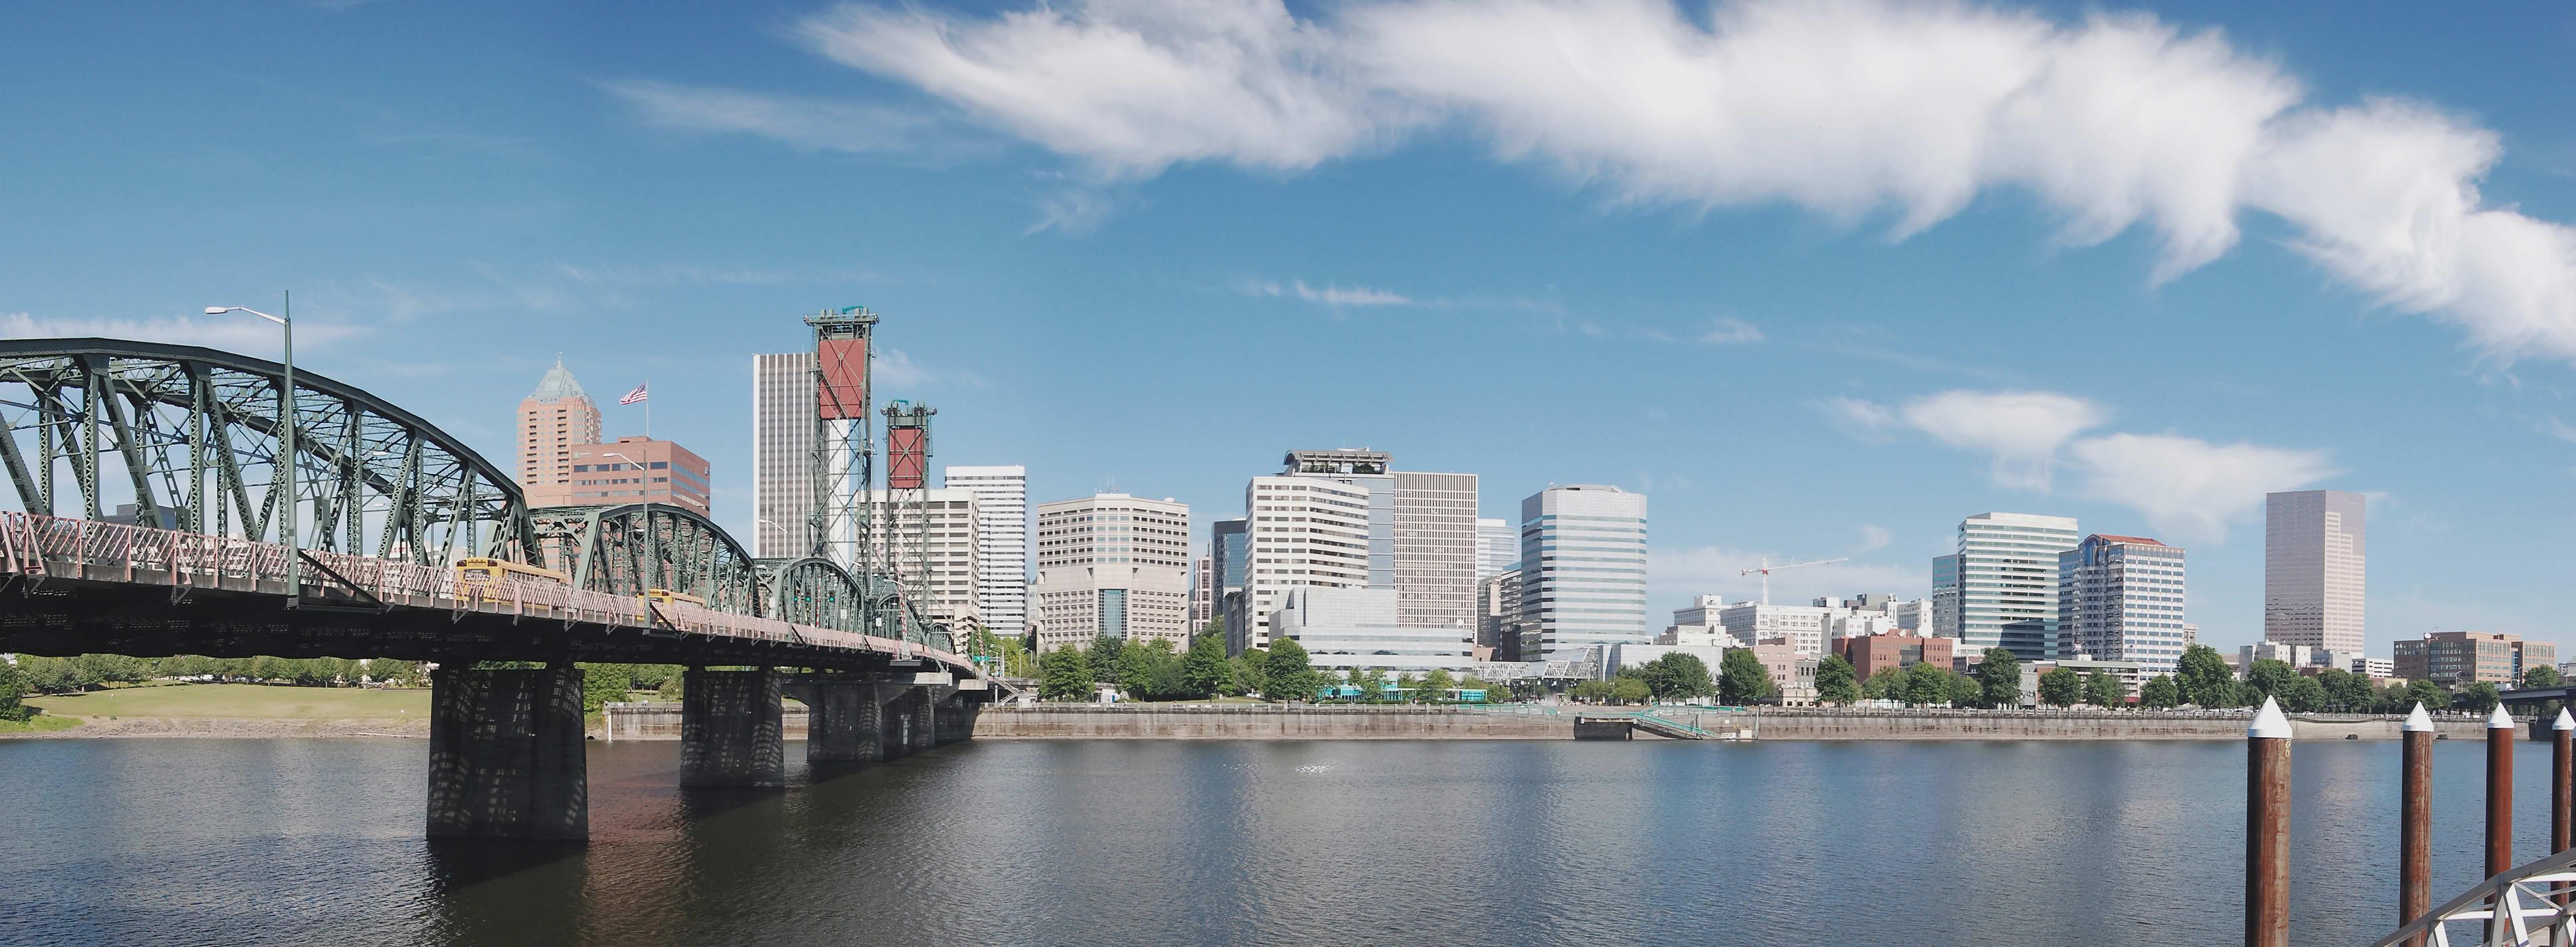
column 1269, row 722
column 1974, row 725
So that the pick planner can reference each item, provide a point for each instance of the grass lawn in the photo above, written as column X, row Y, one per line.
column 42, row 724
column 240, row 701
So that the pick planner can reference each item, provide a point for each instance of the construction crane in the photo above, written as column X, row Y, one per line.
column 1766, row 567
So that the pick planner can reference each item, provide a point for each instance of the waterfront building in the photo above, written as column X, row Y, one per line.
column 1001, row 541
column 2314, row 557
column 639, row 470
column 2294, row 655
column 553, row 419
column 1803, row 626
column 1112, row 564
column 1202, row 593
column 1946, row 618
column 2120, row 598
column 938, row 541
column 1583, row 568
column 2378, row 669
column 1229, row 550
column 1701, row 624
column 1435, row 549
column 1299, row 531
column 1793, row 673
column 2456, row 659
column 1372, row 472
column 782, row 455
column 1498, row 546
column 2132, row 675
column 1498, row 612
column 1343, row 629
column 1870, row 654
column 2004, row 582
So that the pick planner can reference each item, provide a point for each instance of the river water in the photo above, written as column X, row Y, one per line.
column 135, row 841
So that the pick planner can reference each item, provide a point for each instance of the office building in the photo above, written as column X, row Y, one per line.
column 1803, row 626
column 1498, row 612
column 2314, row 550
column 552, row 420
column 1299, row 531
column 1202, row 593
column 1583, row 569
column 1370, row 471
column 2294, row 655
column 1498, row 546
column 1343, row 629
column 2456, row 659
column 1435, row 549
column 639, row 470
column 1001, row 541
column 1116, row 565
column 782, row 455
column 2004, row 582
column 1229, row 548
column 938, row 542
column 1792, row 673
column 1870, row 654
column 2120, row 598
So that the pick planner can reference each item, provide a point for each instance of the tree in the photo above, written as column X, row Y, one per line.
column 1964, row 690
column 1926, row 684
column 2425, row 692
column 265, row 669
column 1140, row 665
column 2303, row 695
column 2159, row 693
column 2061, row 687
column 1887, row 684
column 2347, row 692
column 1494, row 693
column 2269, row 677
column 1436, row 685
column 2204, row 677
column 2479, row 696
column 1999, row 678
column 1104, row 658
column 1065, row 674
column 1592, row 692
column 1629, row 690
column 2103, row 690
column 13, row 686
column 1410, row 686
column 1741, row 678
column 604, row 684
column 2541, row 675
column 1203, row 670
column 1371, row 683
column 1834, row 684
column 1288, row 674
column 1251, row 671
column 1680, row 676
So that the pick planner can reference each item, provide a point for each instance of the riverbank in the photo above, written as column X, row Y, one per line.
column 1539, row 722
column 231, row 711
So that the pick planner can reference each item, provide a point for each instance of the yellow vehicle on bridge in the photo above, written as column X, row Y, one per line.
column 666, row 597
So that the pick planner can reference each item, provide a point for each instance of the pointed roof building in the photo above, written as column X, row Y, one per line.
column 552, row 419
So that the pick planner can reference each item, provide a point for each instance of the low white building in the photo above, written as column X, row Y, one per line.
column 1344, row 629
column 1802, row 625
column 2295, row 655
column 1700, row 625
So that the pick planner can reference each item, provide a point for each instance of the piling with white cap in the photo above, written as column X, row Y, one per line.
column 2499, row 803
column 2562, row 787
column 2267, row 828
column 2415, row 821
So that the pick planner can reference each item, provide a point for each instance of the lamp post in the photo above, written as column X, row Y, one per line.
column 286, row 440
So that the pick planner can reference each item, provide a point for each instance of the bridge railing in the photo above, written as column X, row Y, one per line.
column 35, row 544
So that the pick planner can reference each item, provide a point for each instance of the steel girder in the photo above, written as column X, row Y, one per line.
column 191, row 437
column 812, row 591
column 627, row 549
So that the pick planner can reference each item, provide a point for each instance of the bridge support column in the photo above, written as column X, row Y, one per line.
column 730, row 729
column 844, row 723
column 506, row 756
column 925, row 721
column 956, row 717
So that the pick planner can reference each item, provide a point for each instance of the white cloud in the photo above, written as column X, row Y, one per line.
column 893, row 366
column 2560, row 430
column 2022, row 430
column 1850, row 108
column 1864, row 417
column 1329, row 294
column 2189, row 488
column 1715, row 570
column 1727, row 330
column 236, row 332
column 1873, row 538
column 816, row 124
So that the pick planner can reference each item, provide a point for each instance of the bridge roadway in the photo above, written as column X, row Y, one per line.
column 506, row 746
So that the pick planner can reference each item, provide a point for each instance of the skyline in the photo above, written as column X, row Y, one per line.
column 1788, row 373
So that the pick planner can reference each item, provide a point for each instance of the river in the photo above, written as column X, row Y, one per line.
column 202, row 841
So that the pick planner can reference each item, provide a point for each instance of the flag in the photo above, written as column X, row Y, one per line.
column 633, row 396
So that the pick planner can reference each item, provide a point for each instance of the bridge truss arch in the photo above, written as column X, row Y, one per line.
column 628, row 549
column 813, row 591
column 192, row 437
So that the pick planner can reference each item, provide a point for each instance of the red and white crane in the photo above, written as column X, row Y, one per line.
column 1766, row 568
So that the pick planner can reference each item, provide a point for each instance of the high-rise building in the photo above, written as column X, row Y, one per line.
column 552, row 419
column 1583, row 569
column 1945, row 597
column 2313, row 556
column 640, row 470
column 782, row 455
column 1435, row 549
column 2006, row 582
column 1368, row 470
column 2120, row 598
column 1298, row 531
column 1001, row 541
column 2456, row 659
column 1202, row 593
column 1498, row 546
column 1498, row 612
column 1113, row 564
column 900, row 544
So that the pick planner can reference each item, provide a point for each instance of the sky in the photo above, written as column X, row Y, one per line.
column 1821, row 279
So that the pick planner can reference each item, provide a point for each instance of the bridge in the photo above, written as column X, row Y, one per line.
column 193, row 442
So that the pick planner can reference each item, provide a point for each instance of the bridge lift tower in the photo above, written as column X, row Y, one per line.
column 907, row 506
column 838, row 527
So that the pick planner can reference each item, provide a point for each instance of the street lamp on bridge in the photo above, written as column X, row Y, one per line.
column 286, row 413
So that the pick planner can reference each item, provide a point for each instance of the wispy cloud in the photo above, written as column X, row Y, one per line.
column 1850, row 109
column 2559, row 429
column 897, row 368
column 1727, row 330
column 1330, row 294
column 803, row 122
column 1873, row 538
column 231, row 333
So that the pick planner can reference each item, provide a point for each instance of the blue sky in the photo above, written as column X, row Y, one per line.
column 1821, row 279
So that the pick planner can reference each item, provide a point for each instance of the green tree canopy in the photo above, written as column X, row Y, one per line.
column 1203, row 670
column 2159, row 693
column 2103, row 690
column 2269, row 677
column 1436, row 685
column 1742, row 679
column 1682, row 676
column 2061, row 687
column 2347, row 692
column 1287, row 673
column 1065, row 674
column 603, row 684
column 13, row 687
column 2427, row 693
column 1999, row 678
column 2303, row 694
column 2479, row 697
column 1591, row 692
column 1371, row 683
column 1834, row 683
column 1104, row 656
column 1964, row 690
column 1629, row 690
column 2205, row 678
column 1251, row 671
column 1887, row 684
column 2541, row 675
column 1926, row 684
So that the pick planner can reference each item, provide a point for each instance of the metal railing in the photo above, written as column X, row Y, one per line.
column 50, row 546
column 2514, row 909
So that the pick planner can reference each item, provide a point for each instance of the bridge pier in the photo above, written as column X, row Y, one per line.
column 730, row 729
column 844, row 721
column 506, row 756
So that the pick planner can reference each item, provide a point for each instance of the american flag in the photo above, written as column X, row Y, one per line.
column 633, row 396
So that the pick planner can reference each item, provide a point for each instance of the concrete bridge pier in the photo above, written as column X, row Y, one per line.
column 844, row 721
column 730, row 729
column 956, row 716
column 505, row 754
